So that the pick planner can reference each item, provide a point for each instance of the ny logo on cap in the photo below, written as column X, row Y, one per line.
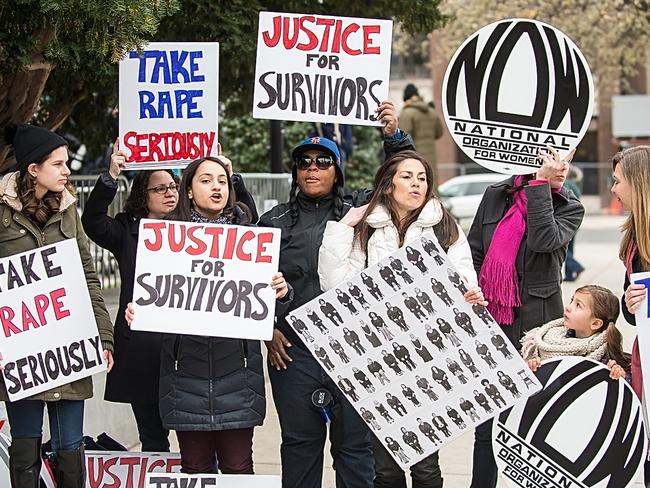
column 315, row 140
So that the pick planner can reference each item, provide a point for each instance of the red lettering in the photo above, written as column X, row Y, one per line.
column 367, row 31
column 241, row 255
column 326, row 33
column 6, row 316
column 215, row 232
column 134, row 147
column 176, row 246
column 199, row 246
column 157, row 228
column 346, row 33
column 154, row 151
column 108, row 464
column 207, row 141
column 41, row 302
column 143, row 470
column 289, row 42
column 272, row 41
column 131, row 462
column 313, row 40
column 55, row 296
column 158, row 463
column 262, row 240
column 172, row 463
column 94, row 480
column 231, row 240
column 336, row 42
column 28, row 319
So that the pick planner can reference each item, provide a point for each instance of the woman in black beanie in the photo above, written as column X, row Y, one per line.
column 37, row 206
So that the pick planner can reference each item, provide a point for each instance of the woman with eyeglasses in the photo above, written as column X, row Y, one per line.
column 154, row 194
column 317, row 196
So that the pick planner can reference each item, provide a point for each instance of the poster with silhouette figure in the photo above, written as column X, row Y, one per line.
column 419, row 364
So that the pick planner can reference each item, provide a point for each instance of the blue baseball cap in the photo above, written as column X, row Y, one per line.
column 320, row 144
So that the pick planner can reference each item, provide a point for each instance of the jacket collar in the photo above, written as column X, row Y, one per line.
column 563, row 194
column 430, row 215
column 309, row 203
column 9, row 194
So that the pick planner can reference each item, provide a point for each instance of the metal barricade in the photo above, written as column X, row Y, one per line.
column 105, row 264
column 268, row 189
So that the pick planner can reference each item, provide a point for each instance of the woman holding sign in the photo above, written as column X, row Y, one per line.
column 402, row 208
column 631, row 188
column 212, row 388
column 305, row 397
column 154, row 194
column 38, row 207
column 519, row 240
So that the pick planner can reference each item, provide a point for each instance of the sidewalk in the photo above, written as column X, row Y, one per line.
column 596, row 249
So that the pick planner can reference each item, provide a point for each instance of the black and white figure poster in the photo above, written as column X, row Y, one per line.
column 514, row 87
column 582, row 430
column 419, row 364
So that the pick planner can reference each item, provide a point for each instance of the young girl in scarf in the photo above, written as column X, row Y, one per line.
column 587, row 329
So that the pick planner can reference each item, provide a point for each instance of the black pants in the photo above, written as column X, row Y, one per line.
column 153, row 436
column 484, row 468
column 388, row 474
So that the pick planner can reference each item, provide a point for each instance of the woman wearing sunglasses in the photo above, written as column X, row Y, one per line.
column 316, row 197
column 154, row 194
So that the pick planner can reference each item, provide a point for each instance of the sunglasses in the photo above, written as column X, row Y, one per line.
column 162, row 189
column 321, row 162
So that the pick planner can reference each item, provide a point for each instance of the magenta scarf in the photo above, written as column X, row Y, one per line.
column 498, row 277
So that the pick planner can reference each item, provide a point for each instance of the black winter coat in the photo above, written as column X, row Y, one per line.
column 301, row 241
column 553, row 220
column 136, row 371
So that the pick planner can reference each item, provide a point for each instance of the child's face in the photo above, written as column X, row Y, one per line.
column 578, row 315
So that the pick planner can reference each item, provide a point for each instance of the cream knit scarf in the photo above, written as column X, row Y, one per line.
column 550, row 340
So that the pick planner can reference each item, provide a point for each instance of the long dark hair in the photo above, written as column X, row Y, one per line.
column 446, row 230
column 606, row 307
column 184, row 208
column 136, row 202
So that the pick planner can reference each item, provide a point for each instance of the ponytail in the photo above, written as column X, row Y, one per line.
column 614, row 346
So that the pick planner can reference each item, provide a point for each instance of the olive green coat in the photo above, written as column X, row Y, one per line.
column 19, row 234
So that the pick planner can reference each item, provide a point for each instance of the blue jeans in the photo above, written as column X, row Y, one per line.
column 304, row 431
column 66, row 421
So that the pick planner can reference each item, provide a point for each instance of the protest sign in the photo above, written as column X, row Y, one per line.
column 205, row 279
column 127, row 469
column 582, row 430
column 320, row 68
column 208, row 480
column 386, row 339
column 513, row 88
column 169, row 96
column 49, row 335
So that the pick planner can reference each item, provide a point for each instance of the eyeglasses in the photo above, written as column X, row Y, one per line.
column 162, row 189
column 321, row 162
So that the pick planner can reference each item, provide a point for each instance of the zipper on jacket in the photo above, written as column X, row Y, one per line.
column 210, row 381
column 244, row 344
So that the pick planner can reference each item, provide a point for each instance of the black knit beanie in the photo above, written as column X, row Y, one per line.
column 31, row 143
column 409, row 91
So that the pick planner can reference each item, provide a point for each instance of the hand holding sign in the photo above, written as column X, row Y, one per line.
column 634, row 296
column 387, row 115
column 279, row 284
column 118, row 160
column 224, row 160
column 554, row 169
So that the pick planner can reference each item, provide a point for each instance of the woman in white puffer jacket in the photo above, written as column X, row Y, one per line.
column 402, row 208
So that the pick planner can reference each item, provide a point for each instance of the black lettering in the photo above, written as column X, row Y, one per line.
column 149, row 289
column 245, row 288
column 223, row 305
column 78, row 362
column 265, row 310
column 8, row 374
column 50, row 271
column 270, row 91
column 27, row 263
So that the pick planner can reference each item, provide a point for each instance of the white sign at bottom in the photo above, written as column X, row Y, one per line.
column 156, row 480
column 582, row 430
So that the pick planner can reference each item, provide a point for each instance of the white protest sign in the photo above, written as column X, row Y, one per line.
column 513, row 88
column 582, row 430
column 127, row 469
column 386, row 338
column 212, row 480
column 642, row 316
column 169, row 97
column 321, row 68
column 49, row 335
column 205, row 279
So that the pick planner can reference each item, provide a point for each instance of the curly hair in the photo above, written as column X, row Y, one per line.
column 136, row 202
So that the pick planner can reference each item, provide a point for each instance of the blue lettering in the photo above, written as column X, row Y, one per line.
column 194, row 55
column 186, row 97
column 147, row 110
column 178, row 59
column 161, row 64
column 645, row 282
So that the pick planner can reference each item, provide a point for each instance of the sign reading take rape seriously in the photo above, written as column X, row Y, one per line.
column 205, row 279
column 169, row 95
column 49, row 335
column 321, row 68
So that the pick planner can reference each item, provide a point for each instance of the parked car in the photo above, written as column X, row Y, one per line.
column 462, row 194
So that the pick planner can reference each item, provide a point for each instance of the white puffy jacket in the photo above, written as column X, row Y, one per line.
column 340, row 257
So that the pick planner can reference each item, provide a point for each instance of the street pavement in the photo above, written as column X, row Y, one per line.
column 596, row 248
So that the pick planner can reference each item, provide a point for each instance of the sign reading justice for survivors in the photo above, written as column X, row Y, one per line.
column 320, row 68
column 49, row 335
column 513, row 88
column 169, row 95
column 205, row 279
